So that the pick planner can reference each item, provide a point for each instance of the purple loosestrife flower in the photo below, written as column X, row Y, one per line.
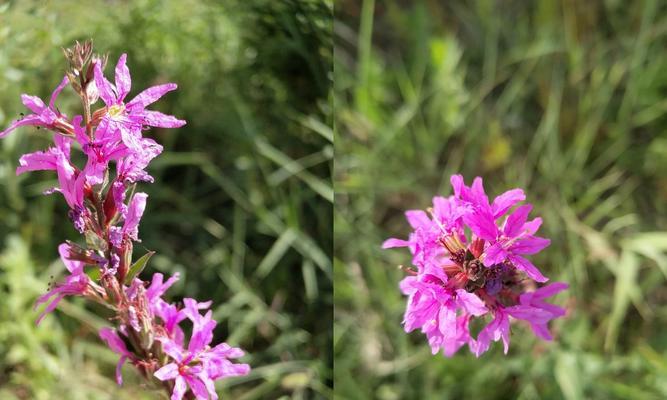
column 129, row 118
column 459, row 277
column 147, row 328
column 199, row 365
column 76, row 284
column 43, row 115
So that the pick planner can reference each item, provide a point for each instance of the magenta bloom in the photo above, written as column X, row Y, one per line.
column 461, row 276
column 43, row 115
column 76, row 284
column 129, row 118
column 199, row 365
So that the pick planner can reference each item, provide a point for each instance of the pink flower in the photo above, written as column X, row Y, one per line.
column 130, row 118
column 199, row 365
column 469, row 264
column 76, row 284
column 44, row 116
column 132, row 216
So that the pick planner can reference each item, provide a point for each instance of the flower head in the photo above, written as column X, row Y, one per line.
column 462, row 276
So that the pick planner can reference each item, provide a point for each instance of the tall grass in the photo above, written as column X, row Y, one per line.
column 564, row 99
column 241, row 207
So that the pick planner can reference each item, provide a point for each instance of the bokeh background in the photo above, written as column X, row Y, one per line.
column 241, row 207
column 565, row 99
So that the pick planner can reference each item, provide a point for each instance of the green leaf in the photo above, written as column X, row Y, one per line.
column 93, row 273
column 137, row 267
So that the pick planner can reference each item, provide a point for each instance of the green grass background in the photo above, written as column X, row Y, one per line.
column 241, row 207
column 565, row 99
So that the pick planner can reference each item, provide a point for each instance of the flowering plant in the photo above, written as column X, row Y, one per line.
column 471, row 263
column 147, row 329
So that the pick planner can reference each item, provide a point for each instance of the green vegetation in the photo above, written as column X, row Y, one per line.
column 241, row 206
column 564, row 99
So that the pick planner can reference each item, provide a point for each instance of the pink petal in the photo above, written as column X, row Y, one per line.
column 506, row 201
column 37, row 161
column 104, row 87
column 494, row 254
column 150, row 95
column 471, row 303
column 477, row 192
column 34, row 103
column 134, row 212
column 391, row 243
column 73, row 266
column 516, row 220
column 123, row 80
column 119, row 369
column 172, row 349
column 57, row 91
column 550, row 290
column 483, row 225
column 160, row 120
column 528, row 267
column 529, row 245
column 531, row 227
column 169, row 371
column 52, row 306
column 115, row 343
column 417, row 219
column 198, row 388
column 31, row 119
column 457, row 184
column 179, row 389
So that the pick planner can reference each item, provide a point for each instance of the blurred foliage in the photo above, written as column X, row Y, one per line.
column 241, row 207
column 563, row 98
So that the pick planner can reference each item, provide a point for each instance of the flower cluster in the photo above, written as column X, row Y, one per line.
column 148, row 330
column 470, row 262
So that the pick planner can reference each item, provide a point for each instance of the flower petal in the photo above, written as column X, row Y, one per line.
column 57, row 91
column 516, row 220
column 33, row 120
column 150, row 95
column 529, row 245
column 179, row 388
column 123, row 80
column 528, row 267
column 104, row 87
column 158, row 119
column 393, row 242
column 169, row 371
column 33, row 103
column 506, row 201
